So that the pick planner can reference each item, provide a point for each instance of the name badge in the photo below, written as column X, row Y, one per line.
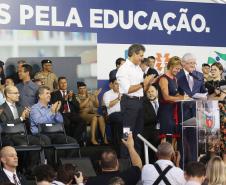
column 49, row 125
column 10, row 125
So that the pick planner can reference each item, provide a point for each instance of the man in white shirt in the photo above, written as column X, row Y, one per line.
column 164, row 171
column 9, row 160
column 195, row 173
column 111, row 100
column 132, row 87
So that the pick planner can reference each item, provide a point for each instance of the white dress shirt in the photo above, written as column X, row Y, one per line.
column 9, row 174
column 189, row 76
column 175, row 175
column 155, row 105
column 146, row 70
column 13, row 109
column 62, row 93
column 107, row 98
column 130, row 74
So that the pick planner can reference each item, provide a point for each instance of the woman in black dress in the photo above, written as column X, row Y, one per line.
column 168, row 95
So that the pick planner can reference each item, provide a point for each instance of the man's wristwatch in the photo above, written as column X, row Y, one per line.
column 142, row 84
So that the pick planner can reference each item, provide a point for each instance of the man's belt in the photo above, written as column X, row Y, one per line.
column 133, row 97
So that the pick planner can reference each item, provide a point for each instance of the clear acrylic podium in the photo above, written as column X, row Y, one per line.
column 199, row 122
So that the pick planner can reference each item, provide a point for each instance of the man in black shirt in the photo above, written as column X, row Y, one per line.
column 146, row 69
column 110, row 166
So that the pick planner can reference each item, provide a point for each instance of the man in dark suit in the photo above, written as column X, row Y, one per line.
column 75, row 126
column 11, row 112
column 150, row 119
column 9, row 160
column 190, row 82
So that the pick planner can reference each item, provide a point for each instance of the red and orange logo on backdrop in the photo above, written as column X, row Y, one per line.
column 161, row 61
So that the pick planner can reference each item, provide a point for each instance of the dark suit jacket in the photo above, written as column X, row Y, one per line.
column 4, row 178
column 150, row 117
column 183, row 87
column 7, row 115
column 73, row 104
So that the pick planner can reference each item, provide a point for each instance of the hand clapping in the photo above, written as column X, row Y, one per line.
column 97, row 92
column 55, row 107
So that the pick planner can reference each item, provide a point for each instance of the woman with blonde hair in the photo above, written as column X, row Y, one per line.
column 216, row 172
column 168, row 95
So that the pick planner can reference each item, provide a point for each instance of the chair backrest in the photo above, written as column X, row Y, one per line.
column 11, row 128
column 51, row 128
column 48, row 128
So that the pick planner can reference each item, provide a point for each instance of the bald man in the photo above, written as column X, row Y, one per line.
column 9, row 160
column 164, row 170
column 13, row 113
column 110, row 166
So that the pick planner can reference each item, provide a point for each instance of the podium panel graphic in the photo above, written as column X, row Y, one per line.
column 199, row 128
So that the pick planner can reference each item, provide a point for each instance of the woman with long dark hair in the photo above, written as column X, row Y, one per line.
column 217, row 86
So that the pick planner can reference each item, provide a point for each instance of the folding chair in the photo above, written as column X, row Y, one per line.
column 49, row 128
column 19, row 129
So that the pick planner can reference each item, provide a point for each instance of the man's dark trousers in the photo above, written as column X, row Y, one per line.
column 133, row 117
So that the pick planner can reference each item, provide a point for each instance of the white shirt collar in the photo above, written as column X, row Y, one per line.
column 10, row 174
column 192, row 183
column 10, row 104
column 168, row 162
column 63, row 91
column 114, row 91
column 186, row 72
column 131, row 63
